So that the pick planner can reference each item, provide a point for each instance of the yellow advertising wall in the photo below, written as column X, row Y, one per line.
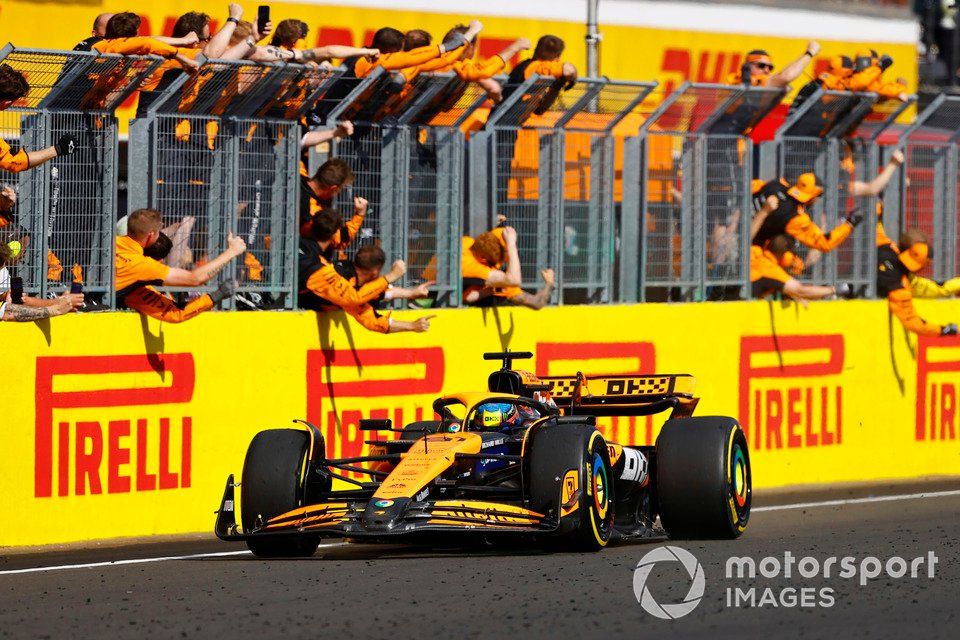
column 113, row 426
column 667, row 55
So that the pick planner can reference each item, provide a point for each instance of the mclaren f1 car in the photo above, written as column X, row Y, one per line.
column 523, row 459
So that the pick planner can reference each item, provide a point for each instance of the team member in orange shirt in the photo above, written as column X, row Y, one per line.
column 895, row 266
column 13, row 87
column 137, row 273
column 367, row 266
column 867, row 76
column 767, row 275
column 120, row 36
column 322, row 287
column 490, row 267
column 545, row 61
column 757, row 70
column 467, row 69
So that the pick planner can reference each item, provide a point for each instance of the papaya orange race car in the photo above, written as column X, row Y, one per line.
column 523, row 459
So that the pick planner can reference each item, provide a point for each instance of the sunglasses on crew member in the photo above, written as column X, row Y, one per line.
column 765, row 66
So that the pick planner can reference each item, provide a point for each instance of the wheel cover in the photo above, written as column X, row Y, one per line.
column 738, row 480
column 600, row 496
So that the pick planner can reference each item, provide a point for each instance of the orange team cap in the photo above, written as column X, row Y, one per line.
column 807, row 188
column 916, row 257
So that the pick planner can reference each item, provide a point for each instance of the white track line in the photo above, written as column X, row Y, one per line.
column 779, row 507
column 838, row 503
column 114, row 563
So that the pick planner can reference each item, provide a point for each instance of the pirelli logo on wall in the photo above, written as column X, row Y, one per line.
column 791, row 394
column 344, row 386
column 113, row 424
column 938, row 388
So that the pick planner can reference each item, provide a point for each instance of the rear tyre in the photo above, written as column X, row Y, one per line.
column 271, row 485
column 570, row 479
column 704, row 480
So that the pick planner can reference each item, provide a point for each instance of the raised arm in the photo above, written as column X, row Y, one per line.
column 878, row 184
column 220, row 42
column 793, row 70
column 203, row 274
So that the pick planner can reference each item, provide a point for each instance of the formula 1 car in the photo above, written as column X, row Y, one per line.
column 524, row 459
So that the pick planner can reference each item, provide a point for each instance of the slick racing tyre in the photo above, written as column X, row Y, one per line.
column 271, row 485
column 703, row 478
column 570, row 479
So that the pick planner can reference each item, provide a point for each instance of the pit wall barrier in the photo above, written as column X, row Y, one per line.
column 117, row 426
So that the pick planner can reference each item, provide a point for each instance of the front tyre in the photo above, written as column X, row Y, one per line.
column 704, row 481
column 570, row 479
column 271, row 485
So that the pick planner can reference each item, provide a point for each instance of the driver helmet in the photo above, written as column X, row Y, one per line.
column 502, row 416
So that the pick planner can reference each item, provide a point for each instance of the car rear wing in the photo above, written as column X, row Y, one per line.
column 623, row 395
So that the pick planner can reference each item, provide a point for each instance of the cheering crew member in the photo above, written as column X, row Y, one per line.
column 389, row 42
column 895, row 266
column 120, row 36
column 322, row 287
column 867, row 76
column 921, row 287
column 784, row 212
column 767, row 275
column 485, row 281
column 137, row 273
column 545, row 61
column 211, row 46
column 835, row 78
column 13, row 87
column 757, row 71
column 366, row 267
column 316, row 196
column 468, row 69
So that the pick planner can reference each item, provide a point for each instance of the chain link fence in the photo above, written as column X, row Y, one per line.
column 66, row 207
column 929, row 199
column 218, row 152
column 696, row 165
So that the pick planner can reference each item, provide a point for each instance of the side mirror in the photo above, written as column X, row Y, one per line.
column 376, row 425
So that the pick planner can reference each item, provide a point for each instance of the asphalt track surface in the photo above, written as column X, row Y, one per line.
column 366, row 591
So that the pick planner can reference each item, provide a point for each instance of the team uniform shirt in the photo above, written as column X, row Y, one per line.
column 164, row 75
column 136, row 46
column 475, row 274
column 11, row 161
column 361, row 66
column 766, row 274
column 893, row 281
column 136, row 277
column 870, row 80
column 792, row 219
column 151, row 302
column 367, row 314
column 321, row 288
column 311, row 205
column 135, row 270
